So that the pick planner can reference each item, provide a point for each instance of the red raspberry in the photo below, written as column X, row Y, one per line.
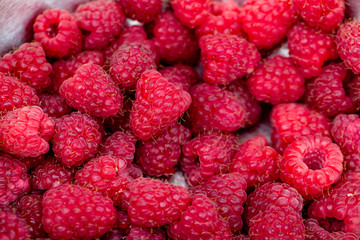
column 32, row 162
column 129, row 62
column 51, row 173
column 277, row 80
column 215, row 108
column 140, row 233
column 102, row 20
column 13, row 179
column 174, row 42
column 25, row 132
column 240, row 237
column 12, row 225
column 256, row 161
column 343, row 236
column 326, row 14
column 348, row 46
column 73, row 212
column 152, row 203
column 267, row 21
column 314, row 232
column 201, row 220
column 123, row 221
column 76, row 139
column 277, row 223
column 181, row 74
column 292, row 120
column 352, row 87
column 30, row 208
column 141, row 10
column 326, row 92
column 158, row 156
column 53, row 105
column 311, row 164
column 92, row 90
column 191, row 13
column 341, row 202
column 29, row 64
column 225, row 58
column 15, row 94
column 346, row 133
column 58, row 33
column 155, row 94
column 207, row 155
column 309, row 48
column 332, row 224
column 227, row 191
column 121, row 121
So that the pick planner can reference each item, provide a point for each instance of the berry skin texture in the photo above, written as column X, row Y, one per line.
column 141, row 10
column 191, row 13
column 326, row 14
column 73, row 212
column 201, row 220
column 347, row 45
column 225, row 58
column 12, row 225
column 53, row 105
column 326, row 92
column 108, row 13
column 267, row 21
column 29, row 64
column 58, row 33
column 139, row 233
column 152, row 203
column 352, row 87
column 158, row 104
column 311, row 164
column 256, row 161
column 15, row 94
column 227, row 191
column 25, row 132
column 276, row 81
column 181, row 74
column 91, row 90
column 76, row 139
column 309, row 48
column 13, row 179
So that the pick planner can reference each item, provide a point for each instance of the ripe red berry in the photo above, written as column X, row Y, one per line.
column 191, row 13
column 12, row 224
column 181, row 74
column 53, row 105
column 141, row 10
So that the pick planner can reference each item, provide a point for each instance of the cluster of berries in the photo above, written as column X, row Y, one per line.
column 98, row 117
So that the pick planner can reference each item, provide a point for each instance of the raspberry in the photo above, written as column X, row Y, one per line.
column 58, row 33
column 158, row 156
column 155, row 94
column 315, row 232
column 12, row 225
column 174, row 42
column 277, row 223
column 341, row 202
column 326, row 92
column 25, row 132
column 121, row 121
column 311, row 164
column 15, row 94
column 91, row 90
column 326, row 14
column 76, row 139
column 227, row 191
column 191, row 13
column 129, row 62
column 201, row 220
column 267, row 21
column 142, row 10
column 73, row 212
column 352, row 87
column 347, row 46
column 13, row 179
column 309, row 48
column 181, row 74
column 139, row 233
column 32, row 162
column 292, row 120
column 225, row 58
column 152, row 203
column 29, row 64
column 53, row 105
column 276, row 80
column 123, row 221
column 51, row 173
column 345, row 131
column 256, row 161
column 331, row 224
column 215, row 108
column 102, row 21
column 207, row 155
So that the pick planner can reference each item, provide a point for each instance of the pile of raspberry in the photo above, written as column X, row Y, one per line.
column 137, row 120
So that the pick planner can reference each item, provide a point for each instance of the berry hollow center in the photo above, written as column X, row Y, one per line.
column 52, row 30
column 314, row 159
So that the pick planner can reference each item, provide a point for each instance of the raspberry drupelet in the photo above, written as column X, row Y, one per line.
column 12, row 224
